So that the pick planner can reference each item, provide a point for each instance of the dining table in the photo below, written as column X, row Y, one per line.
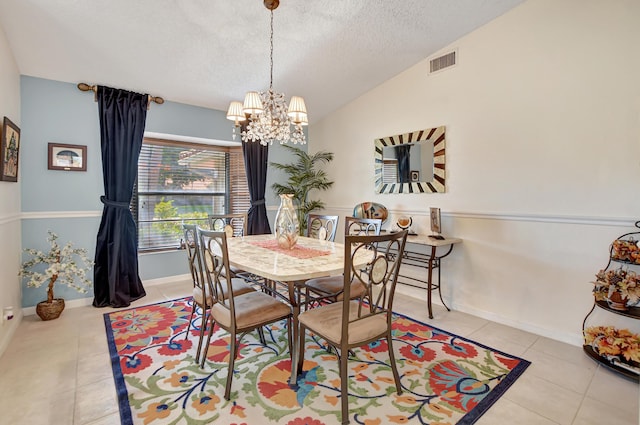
column 309, row 258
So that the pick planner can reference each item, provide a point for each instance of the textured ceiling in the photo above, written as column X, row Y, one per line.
column 209, row 52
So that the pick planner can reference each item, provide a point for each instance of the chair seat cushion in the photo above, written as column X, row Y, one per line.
column 239, row 287
column 327, row 321
column 334, row 285
column 252, row 310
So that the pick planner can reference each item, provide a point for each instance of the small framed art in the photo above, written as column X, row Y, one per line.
column 67, row 157
column 9, row 149
column 415, row 175
column 435, row 220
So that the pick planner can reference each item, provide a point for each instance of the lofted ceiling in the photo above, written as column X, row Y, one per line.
column 209, row 52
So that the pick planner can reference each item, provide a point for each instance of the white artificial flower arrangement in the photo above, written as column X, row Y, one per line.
column 68, row 266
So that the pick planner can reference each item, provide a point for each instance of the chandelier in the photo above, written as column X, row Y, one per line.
column 267, row 114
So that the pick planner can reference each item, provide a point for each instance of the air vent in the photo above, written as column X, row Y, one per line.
column 442, row 62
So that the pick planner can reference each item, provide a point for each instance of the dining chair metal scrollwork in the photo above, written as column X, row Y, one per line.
column 353, row 323
column 233, row 225
column 237, row 314
column 202, row 296
column 362, row 226
column 330, row 289
column 322, row 226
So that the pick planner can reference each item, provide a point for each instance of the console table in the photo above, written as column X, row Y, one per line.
column 429, row 260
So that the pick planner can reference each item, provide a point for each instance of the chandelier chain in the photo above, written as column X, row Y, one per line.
column 271, row 63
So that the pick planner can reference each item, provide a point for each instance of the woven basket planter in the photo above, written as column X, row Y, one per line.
column 50, row 311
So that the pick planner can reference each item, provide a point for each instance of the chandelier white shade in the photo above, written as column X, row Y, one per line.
column 236, row 114
column 252, row 103
column 297, row 110
column 267, row 115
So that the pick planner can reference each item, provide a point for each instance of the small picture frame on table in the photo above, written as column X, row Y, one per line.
column 435, row 220
column 67, row 157
column 9, row 150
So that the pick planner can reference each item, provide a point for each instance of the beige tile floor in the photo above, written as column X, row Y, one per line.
column 58, row 372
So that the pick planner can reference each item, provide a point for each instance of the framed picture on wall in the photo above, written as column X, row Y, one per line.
column 9, row 149
column 415, row 175
column 67, row 157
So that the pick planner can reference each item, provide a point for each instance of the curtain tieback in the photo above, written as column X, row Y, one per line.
column 258, row 202
column 116, row 204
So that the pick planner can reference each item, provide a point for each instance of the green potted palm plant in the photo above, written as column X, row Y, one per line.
column 303, row 177
column 66, row 265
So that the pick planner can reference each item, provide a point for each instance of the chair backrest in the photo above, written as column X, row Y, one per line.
column 233, row 224
column 379, row 276
column 215, row 264
column 362, row 226
column 191, row 243
column 322, row 227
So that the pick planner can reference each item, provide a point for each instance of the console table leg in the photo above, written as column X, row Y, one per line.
column 430, row 281
column 440, row 291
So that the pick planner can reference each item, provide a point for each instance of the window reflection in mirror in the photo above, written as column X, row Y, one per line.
column 411, row 162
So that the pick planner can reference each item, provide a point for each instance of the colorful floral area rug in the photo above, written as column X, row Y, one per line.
column 446, row 379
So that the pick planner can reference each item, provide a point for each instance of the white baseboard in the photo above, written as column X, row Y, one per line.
column 168, row 279
column 569, row 338
column 12, row 326
column 83, row 302
column 80, row 302
column 572, row 339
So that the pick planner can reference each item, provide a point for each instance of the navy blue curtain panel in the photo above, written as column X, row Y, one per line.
column 256, row 158
column 404, row 171
column 115, row 275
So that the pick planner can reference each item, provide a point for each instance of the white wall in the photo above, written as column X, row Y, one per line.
column 542, row 114
column 9, row 199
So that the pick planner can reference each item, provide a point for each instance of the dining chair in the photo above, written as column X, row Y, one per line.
column 352, row 323
column 202, row 296
column 330, row 289
column 322, row 226
column 233, row 225
column 237, row 314
column 362, row 226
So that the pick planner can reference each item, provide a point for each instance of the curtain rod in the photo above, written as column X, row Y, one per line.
column 94, row 89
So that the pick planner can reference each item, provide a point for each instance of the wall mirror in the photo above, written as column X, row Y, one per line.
column 411, row 162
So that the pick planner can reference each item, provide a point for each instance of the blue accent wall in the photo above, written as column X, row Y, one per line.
column 81, row 231
column 67, row 202
column 60, row 113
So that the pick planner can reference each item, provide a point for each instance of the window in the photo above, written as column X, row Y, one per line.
column 389, row 171
column 184, row 183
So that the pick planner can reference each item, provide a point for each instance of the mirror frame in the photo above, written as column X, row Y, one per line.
column 437, row 183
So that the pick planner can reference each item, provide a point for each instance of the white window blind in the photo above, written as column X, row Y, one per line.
column 390, row 171
column 240, row 200
column 184, row 183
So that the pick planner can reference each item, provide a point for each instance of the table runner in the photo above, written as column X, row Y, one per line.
column 297, row 251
